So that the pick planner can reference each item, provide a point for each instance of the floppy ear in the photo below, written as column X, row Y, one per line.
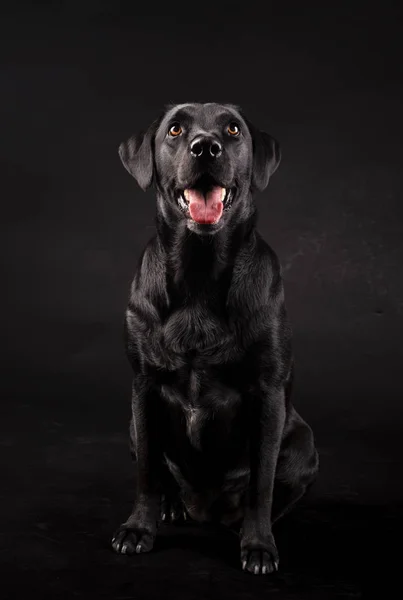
column 266, row 157
column 137, row 155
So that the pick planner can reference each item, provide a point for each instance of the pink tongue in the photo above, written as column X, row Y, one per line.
column 206, row 209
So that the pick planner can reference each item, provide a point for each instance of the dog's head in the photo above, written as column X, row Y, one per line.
column 205, row 159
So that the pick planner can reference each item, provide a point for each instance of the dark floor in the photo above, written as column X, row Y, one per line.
column 67, row 484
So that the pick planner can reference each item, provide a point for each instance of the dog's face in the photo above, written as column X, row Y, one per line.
column 205, row 159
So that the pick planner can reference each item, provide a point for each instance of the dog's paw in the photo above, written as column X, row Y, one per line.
column 173, row 510
column 132, row 540
column 259, row 560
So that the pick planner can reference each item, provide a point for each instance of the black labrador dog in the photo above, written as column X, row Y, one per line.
column 213, row 432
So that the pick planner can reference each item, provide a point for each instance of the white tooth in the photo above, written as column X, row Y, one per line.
column 223, row 192
column 182, row 202
column 185, row 193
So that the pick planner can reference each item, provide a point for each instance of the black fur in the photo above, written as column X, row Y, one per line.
column 214, row 434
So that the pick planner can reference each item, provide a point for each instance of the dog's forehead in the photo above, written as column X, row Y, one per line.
column 205, row 114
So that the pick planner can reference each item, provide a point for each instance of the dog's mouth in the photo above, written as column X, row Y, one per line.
column 206, row 202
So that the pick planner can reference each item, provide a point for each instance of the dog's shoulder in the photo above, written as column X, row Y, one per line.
column 149, row 276
column 267, row 260
column 257, row 307
column 257, row 279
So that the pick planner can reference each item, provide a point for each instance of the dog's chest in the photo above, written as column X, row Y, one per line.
column 195, row 418
column 194, row 328
column 201, row 406
column 195, row 411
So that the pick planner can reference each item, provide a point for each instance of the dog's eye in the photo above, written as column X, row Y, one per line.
column 233, row 129
column 175, row 130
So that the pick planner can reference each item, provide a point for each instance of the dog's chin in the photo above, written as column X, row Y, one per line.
column 205, row 207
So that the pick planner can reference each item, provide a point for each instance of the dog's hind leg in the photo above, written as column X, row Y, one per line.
column 297, row 466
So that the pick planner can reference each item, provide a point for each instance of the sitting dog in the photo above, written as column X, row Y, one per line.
column 214, row 434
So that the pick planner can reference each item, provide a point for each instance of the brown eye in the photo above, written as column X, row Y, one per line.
column 233, row 129
column 175, row 130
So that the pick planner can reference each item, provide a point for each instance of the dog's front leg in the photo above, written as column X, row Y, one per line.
column 137, row 534
column 267, row 415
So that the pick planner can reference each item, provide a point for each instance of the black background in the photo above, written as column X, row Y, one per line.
column 77, row 78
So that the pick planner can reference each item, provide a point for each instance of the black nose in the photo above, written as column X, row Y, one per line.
column 205, row 146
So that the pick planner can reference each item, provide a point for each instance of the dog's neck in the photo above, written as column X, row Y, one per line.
column 196, row 261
